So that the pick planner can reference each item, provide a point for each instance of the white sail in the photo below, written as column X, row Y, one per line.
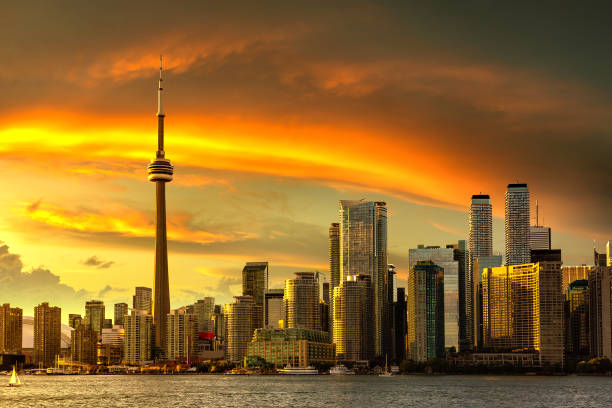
column 14, row 381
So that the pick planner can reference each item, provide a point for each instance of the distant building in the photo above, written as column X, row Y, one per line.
column 517, row 225
column 218, row 323
column 324, row 313
column 95, row 315
column 301, row 301
column 465, row 290
column 121, row 309
column 577, row 321
column 47, row 334
column 110, row 354
column 334, row 269
column 523, row 309
column 609, row 253
column 74, row 320
column 293, row 346
column 400, row 316
column 11, row 329
column 445, row 258
column 182, row 332
column 254, row 284
column 108, row 324
column 142, row 299
column 138, row 340
column 114, row 335
column 239, row 327
column 600, row 311
column 352, row 333
column 539, row 237
column 83, row 345
column 480, row 264
column 204, row 309
column 425, row 311
column 274, row 310
column 570, row 274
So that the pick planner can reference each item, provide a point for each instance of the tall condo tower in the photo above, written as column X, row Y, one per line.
column 160, row 172
column 518, row 249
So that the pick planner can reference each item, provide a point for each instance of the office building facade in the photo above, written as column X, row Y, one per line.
column 143, row 299
column 204, row 309
column 121, row 310
column 539, row 237
column 570, row 274
column 47, row 334
column 239, row 327
column 334, row 269
column 95, row 313
column 255, row 284
column 301, row 301
column 600, row 311
column 518, row 250
column 480, row 264
column 138, row 338
column 353, row 333
column 274, row 309
column 292, row 346
column 182, row 332
column 576, row 315
column 83, row 345
column 11, row 329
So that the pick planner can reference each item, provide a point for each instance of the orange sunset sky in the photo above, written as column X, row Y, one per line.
column 275, row 111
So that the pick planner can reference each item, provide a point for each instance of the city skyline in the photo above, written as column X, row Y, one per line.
column 266, row 156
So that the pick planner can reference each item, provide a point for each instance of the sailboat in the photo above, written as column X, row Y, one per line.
column 14, row 381
column 387, row 373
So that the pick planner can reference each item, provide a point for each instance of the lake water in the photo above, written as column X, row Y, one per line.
column 309, row 391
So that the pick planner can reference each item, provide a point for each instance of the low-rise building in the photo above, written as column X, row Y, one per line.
column 295, row 346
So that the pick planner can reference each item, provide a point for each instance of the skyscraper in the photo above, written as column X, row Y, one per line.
column 334, row 269
column 121, row 309
column 274, row 310
column 204, row 309
column 539, row 237
column 400, row 310
column 577, row 321
column 570, row 274
column 600, row 311
column 254, row 284
column 143, row 299
column 238, row 327
column 11, row 329
column 517, row 225
column 480, row 244
column 352, row 333
column 363, row 251
column 480, row 264
column 74, row 320
column 160, row 172
column 95, row 315
column 83, row 345
column 301, row 300
column 47, row 334
column 465, row 286
column 182, row 334
column 138, row 338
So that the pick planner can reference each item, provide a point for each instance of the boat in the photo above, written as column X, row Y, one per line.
column 14, row 381
column 386, row 373
column 340, row 369
column 310, row 370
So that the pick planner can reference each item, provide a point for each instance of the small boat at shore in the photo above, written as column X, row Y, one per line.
column 340, row 369
column 14, row 381
column 298, row 370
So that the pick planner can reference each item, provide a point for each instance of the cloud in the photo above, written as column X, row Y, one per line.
column 445, row 228
column 99, row 263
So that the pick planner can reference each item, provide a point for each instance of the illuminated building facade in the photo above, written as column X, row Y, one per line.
column 600, row 311
column 352, row 333
column 425, row 311
column 570, row 274
column 539, row 237
column 11, row 329
column 577, row 320
column 334, row 269
column 255, row 284
column 517, row 225
column 238, row 327
column 301, row 301
column 95, row 313
column 143, row 299
column 292, row 346
column 182, row 334
column 478, row 267
column 274, row 309
column 47, row 334
column 121, row 310
column 204, row 309
column 84, row 345
column 138, row 339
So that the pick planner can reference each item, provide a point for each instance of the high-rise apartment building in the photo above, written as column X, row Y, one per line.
column 479, row 265
column 425, row 311
column 204, row 309
column 11, row 329
column 523, row 308
column 334, row 269
column 143, row 299
column 74, row 320
column 353, row 333
column 182, row 334
column 138, row 338
column 121, row 310
column 539, row 237
column 600, row 311
column 301, row 300
column 47, row 334
column 83, row 345
column 517, row 225
column 570, row 274
column 577, row 321
column 113, row 336
column 95, row 313
column 239, row 327
column 218, row 323
column 465, row 290
column 445, row 258
column 254, row 284
column 363, row 251
column 274, row 310
column 400, row 310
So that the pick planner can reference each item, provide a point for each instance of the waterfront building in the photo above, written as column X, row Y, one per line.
column 480, row 245
column 274, row 309
column 363, row 251
column 47, row 334
column 109, row 354
column 254, row 284
column 517, row 225
column 160, row 172
column 334, row 269
column 95, row 315
column 576, row 315
column 425, row 311
column 138, row 338
column 301, row 301
column 400, row 316
column 539, row 237
column 600, row 311
column 113, row 335
column 297, row 347
column 479, row 265
column 11, row 329
column 523, row 308
column 74, row 320
column 143, row 299
column 445, row 258
column 239, row 324
column 182, row 334
column 83, row 345
column 353, row 334
column 570, row 274
column 121, row 309
column 204, row 309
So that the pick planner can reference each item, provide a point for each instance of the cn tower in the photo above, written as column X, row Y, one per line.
column 160, row 172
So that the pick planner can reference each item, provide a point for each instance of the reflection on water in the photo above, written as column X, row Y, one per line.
column 313, row 391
